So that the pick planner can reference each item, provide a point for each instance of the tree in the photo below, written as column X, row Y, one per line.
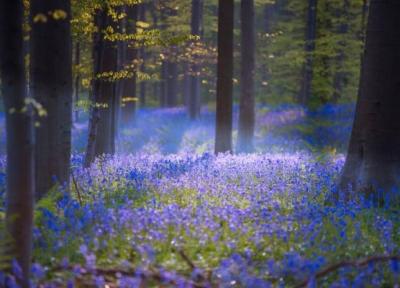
column 129, row 97
column 51, row 86
column 247, row 113
column 101, row 139
column 223, row 138
column 20, row 153
column 309, row 48
column 194, row 96
column 373, row 158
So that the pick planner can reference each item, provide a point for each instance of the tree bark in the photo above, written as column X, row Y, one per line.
column 195, row 84
column 246, row 112
column 51, row 85
column 172, row 84
column 311, row 28
column 129, row 97
column 143, row 55
column 106, row 97
column 223, row 138
column 20, row 152
column 373, row 159
column 77, row 78
column 339, row 80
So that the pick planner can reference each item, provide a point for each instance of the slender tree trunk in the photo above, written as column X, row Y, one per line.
column 247, row 113
column 195, row 84
column 163, row 84
column 129, row 97
column 101, row 138
column 339, row 80
column 223, row 138
column 309, row 48
column 51, row 85
column 143, row 55
column 77, row 78
column 20, row 161
column 97, row 52
column 172, row 84
column 105, row 138
column 373, row 160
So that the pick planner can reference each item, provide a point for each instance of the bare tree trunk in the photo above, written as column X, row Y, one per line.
column 143, row 55
column 129, row 97
column 339, row 80
column 247, row 113
column 105, row 138
column 20, row 161
column 163, row 84
column 97, row 52
column 373, row 160
column 223, row 138
column 195, row 84
column 77, row 78
column 172, row 84
column 309, row 48
column 51, row 85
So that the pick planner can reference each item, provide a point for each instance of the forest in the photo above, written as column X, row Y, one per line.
column 199, row 143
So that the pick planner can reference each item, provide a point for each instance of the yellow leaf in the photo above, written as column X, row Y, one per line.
column 40, row 18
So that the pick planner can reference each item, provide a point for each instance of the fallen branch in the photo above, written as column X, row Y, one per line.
column 355, row 264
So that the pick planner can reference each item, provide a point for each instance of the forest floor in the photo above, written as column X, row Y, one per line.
column 174, row 215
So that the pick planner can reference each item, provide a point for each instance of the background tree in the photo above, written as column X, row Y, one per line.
column 311, row 28
column 223, row 138
column 51, row 86
column 247, row 109
column 20, row 161
column 373, row 158
column 194, row 98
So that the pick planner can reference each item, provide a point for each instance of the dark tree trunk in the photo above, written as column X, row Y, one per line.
column 97, row 52
column 195, row 84
column 223, row 137
column 77, row 78
column 339, row 80
column 101, row 138
column 373, row 159
column 172, row 84
column 20, row 161
column 129, row 97
column 247, row 113
column 106, row 97
column 163, row 84
column 143, row 55
column 309, row 48
column 51, row 85
column 269, row 11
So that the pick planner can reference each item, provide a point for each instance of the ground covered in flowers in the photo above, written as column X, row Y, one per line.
column 192, row 219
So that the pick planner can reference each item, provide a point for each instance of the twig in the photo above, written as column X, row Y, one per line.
column 186, row 259
column 78, row 191
column 355, row 264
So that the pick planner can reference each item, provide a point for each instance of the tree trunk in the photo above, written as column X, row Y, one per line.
column 339, row 80
column 129, row 97
column 247, row 113
column 20, row 161
column 373, row 159
column 51, row 85
column 77, row 78
column 143, row 55
column 309, row 48
column 223, row 138
column 101, row 138
column 195, row 84
column 172, row 84
column 106, row 97
column 163, row 84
